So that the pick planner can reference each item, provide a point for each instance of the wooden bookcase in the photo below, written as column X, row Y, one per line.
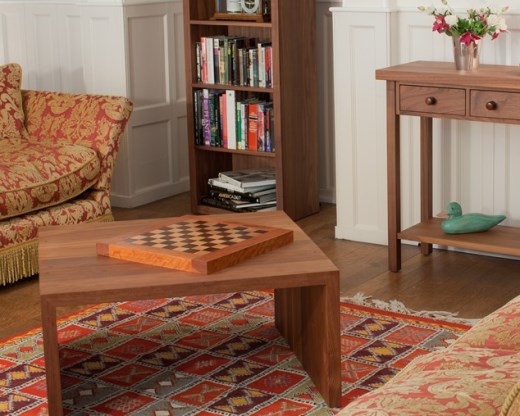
column 291, row 29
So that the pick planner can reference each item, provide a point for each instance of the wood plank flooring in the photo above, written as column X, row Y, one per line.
column 470, row 284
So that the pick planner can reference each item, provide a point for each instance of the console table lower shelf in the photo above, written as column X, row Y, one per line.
column 499, row 240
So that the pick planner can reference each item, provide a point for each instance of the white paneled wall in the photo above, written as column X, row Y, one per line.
column 476, row 164
column 135, row 48
column 326, row 100
column 156, row 155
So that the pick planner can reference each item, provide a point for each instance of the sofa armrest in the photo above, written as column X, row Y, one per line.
column 93, row 121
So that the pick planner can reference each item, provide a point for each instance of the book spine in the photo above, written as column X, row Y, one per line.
column 223, row 120
column 239, row 124
column 217, row 203
column 231, row 123
column 203, row 60
column 252, row 127
column 217, row 194
column 197, row 117
column 213, row 119
column 198, row 61
column 210, row 60
column 244, row 114
column 272, row 136
column 206, row 118
column 262, row 76
column 216, row 60
column 261, row 128
column 270, row 65
column 267, row 128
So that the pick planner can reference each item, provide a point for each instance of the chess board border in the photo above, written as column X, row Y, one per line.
column 201, row 262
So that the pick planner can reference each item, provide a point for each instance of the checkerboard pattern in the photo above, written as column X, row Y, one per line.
column 204, row 355
column 195, row 236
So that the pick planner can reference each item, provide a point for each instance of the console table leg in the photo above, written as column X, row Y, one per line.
column 393, row 179
column 426, row 176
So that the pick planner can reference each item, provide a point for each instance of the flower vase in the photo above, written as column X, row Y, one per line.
column 467, row 57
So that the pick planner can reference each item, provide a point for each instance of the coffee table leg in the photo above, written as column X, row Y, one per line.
column 308, row 318
column 52, row 359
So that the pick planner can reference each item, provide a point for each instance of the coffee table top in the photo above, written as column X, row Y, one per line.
column 72, row 273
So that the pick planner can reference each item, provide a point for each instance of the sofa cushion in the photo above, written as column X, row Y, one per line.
column 38, row 175
column 11, row 111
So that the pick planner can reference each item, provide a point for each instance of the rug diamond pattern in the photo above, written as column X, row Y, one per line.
column 211, row 355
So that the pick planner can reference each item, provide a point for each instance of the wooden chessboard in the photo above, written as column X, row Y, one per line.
column 195, row 243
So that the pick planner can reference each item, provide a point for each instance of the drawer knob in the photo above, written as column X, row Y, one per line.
column 430, row 101
column 491, row 105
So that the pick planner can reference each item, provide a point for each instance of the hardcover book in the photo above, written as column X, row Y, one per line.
column 247, row 178
column 217, row 182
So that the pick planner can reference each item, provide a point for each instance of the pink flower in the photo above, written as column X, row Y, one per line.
column 440, row 25
column 468, row 38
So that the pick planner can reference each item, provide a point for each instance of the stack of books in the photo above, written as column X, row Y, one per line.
column 243, row 190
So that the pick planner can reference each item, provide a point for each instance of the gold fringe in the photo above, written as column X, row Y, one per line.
column 21, row 260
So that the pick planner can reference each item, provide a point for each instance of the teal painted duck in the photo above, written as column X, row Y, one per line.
column 468, row 223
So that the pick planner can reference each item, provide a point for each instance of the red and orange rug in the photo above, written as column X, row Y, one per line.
column 204, row 355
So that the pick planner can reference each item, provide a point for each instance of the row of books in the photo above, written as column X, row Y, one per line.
column 243, row 190
column 223, row 121
column 233, row 60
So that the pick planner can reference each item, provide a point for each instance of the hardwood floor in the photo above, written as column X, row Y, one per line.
column 470, row 284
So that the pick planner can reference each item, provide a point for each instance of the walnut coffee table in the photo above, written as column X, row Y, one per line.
column 305, row 283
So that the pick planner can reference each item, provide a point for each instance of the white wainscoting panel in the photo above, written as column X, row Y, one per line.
column 156, row 148
column 12, row 34
column 326, row 100
column 474, row 163
column 360, row 137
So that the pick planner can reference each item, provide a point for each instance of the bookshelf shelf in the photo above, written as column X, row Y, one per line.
column 230, row 23
column 200, row 85
column 235, row 151
column 293, row 95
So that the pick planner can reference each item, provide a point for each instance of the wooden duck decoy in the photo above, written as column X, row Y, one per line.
column 456, row 223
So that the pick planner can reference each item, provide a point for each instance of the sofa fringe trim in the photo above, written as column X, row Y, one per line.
column 21, row 260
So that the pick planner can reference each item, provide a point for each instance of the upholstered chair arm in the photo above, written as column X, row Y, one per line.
column 93, row 121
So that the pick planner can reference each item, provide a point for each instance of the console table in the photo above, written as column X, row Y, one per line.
column 436, row 89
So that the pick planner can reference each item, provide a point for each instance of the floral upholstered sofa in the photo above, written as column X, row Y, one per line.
column 478, row 375
column 57, row 156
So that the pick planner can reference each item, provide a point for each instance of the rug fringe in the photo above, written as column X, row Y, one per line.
column 399, row 307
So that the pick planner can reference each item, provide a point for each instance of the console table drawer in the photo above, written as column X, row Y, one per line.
column 432, row 100
column 495, row 104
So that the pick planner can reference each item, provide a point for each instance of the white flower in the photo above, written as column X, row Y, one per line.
column 498, row 22
column 451, row 20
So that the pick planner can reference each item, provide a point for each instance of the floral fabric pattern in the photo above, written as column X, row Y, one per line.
column 35, row 176
column 83, row 209
column 478, row 375
column 92, row 121
column 11, row 111
column 501, row 329
column 75, row 133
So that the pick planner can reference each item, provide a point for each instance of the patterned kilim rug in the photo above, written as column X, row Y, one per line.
column 204, row 355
